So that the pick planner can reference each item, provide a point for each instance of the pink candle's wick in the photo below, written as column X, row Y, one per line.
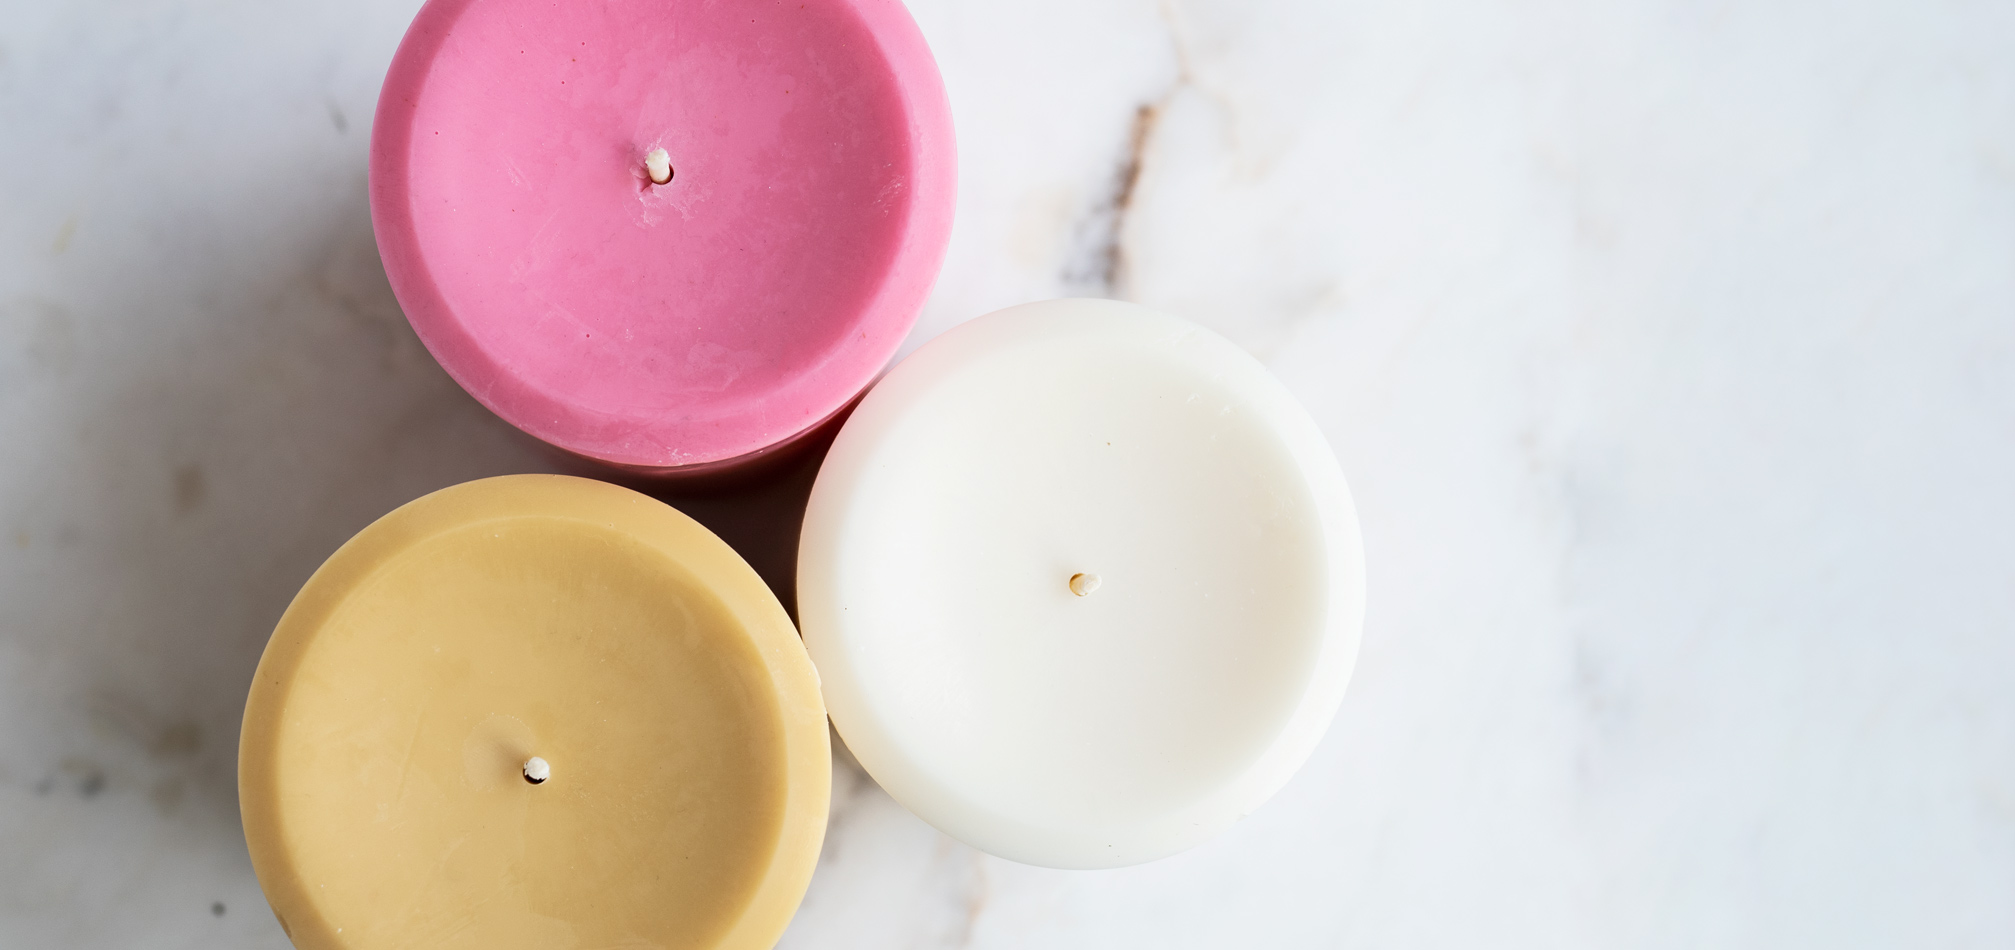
column 659, row 164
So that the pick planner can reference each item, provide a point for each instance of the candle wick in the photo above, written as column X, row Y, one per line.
column 537, row 771
column 659, row 164
column 1084, row 584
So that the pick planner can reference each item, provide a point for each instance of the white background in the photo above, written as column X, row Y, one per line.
column 1669, row 347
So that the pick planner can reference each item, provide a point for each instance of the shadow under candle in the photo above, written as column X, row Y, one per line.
column 760, row 515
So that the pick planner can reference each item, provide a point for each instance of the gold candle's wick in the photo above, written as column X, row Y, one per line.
column 537, row 771
column 659, row 164
column 1083, row 584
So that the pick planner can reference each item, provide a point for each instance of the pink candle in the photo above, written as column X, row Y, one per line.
column 686, row 326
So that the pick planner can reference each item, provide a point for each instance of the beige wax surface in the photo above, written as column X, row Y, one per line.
column 535, row 615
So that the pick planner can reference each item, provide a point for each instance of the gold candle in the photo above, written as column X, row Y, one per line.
column 386, row 770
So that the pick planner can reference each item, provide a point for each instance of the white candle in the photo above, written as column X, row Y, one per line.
column 1083, row 583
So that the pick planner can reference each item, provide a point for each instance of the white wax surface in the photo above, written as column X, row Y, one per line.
column 1044, row 441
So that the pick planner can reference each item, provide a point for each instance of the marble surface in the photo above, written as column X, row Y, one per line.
column 1670, row 348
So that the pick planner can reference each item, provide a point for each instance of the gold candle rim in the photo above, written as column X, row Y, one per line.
column 709, row 561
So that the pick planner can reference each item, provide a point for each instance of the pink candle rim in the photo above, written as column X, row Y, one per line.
column 662, row 444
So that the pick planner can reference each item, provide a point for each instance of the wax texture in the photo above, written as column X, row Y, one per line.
column 663, row 327
column 970, row 660
column 382, row 770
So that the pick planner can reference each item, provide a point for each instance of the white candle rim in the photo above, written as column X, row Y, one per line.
column 910, row 782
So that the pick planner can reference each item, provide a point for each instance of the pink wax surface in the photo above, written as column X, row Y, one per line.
column 652, row 326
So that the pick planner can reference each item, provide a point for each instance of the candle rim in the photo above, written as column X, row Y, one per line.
column 657, row 439
column 854, row 456
column 686, row 545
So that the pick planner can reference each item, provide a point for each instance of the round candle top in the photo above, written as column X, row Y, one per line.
column 807, row 166
column 534, row 711
column 1083, row 582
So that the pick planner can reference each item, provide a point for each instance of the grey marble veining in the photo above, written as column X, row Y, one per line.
column 1669, row 347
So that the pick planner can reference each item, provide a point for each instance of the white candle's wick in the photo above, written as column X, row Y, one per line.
column 1084, row 584
column 537, row 771
column 659, row 164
